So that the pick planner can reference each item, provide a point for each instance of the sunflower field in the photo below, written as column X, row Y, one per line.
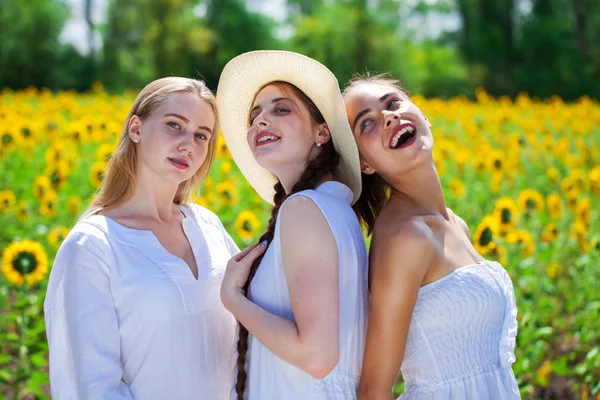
column 524, row 174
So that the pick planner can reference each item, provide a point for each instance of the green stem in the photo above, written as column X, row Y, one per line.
column 22, row 358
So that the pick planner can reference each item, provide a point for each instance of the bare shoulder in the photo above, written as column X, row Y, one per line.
column 406, row 246
column 303, row 224
column 459, row 221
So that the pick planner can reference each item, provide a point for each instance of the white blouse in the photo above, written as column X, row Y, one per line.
column 126, row 319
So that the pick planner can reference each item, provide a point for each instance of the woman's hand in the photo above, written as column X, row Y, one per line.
column 236, row 274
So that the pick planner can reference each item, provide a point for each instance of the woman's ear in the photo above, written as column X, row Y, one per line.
column 366, row 168
column 322, row 135
column 133, row 129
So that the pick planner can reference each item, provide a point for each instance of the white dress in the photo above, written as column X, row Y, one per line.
column 120, row 308
column 462, row 337
column 271, row 378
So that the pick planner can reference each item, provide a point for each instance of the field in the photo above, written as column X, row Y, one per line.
column 523, row 173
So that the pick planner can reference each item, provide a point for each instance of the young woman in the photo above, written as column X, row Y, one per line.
column 285, row 125
column 438, row 310
column 133, row 308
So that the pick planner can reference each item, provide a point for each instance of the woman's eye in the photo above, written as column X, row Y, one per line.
column 280, row 110
column 173, row 125
column 365, row 124
column 393, row 104
column 201, row 136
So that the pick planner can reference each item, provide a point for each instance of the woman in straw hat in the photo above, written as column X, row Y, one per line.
column 286, row 128
column 133, row 308
column 439, row 311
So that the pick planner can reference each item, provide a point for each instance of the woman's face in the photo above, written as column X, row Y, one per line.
column 173, row 140
column 282, row 134
column 392, row 134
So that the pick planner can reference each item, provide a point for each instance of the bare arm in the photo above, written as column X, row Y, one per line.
column 310, row 263
column 399, row 261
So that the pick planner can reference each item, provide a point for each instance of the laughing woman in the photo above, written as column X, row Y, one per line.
column 286, row 128
column 439, row 311
column 133, row 308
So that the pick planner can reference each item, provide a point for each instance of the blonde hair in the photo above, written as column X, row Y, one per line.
column 120, row 173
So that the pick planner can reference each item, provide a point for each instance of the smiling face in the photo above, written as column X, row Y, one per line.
column 282, row 134
column 173, row 141
column 392, row 134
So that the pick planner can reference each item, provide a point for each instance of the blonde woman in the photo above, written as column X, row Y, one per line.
column 133, row 308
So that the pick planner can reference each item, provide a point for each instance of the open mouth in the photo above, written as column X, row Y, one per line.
column 403, row 136
column 265, row 138
column 179, row 163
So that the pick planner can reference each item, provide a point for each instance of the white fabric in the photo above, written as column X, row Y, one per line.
column 462, row 337
column 269, row 377
column 120, row 308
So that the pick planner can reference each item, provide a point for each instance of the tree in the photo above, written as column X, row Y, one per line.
column 29, row 49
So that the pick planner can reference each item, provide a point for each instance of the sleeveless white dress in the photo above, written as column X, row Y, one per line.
column 462, row 336
column 269, row 377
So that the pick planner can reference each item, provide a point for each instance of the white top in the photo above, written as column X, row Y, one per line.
column 462, row 337
column 120, row 308
column 271, row 378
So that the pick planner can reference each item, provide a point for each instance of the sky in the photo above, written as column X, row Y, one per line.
column 75, row 30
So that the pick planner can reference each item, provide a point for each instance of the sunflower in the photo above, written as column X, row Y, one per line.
column 496, row 161
column 594, row 179
column 49, row 204
column 27, row 131
column 555, row 206
column 550, row 234
column 553, row 269
column 73, row 204
column 246, row 225
column 9, row 140
column 225, row 168
column 41, row 185
column 522, row 238
column 228, row 193
column 497, row 180
column 97, row 174
column 573, row 196
column 57, row 235
column 484, row 236
column 222, row 150
column 457, row 188
column 580, row 234
column 58, row 173
column 24, row 262
column 553, row 175
column 22, row 211
column 56, row 153
column 105, row 152
column 582, row 212
column 507, row 214
column 7, row 200
column 77, row 133
column 530, row 200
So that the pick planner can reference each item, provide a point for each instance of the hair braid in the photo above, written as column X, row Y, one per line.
column 326, row 162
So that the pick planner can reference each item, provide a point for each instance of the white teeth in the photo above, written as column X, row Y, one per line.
column 265, row 138
column 399, row 134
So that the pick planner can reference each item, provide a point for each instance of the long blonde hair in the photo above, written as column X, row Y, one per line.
column 120, row 173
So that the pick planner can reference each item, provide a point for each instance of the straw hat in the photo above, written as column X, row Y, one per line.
column 242, row 78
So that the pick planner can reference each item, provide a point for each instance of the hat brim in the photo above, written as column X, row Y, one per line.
column 246, row 74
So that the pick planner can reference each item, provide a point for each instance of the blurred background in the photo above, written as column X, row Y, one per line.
column 439, row 47
column 511, row 88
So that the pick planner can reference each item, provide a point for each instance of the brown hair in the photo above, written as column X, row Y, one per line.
column 325, row 162
column 375, row 191
column 119, row 181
